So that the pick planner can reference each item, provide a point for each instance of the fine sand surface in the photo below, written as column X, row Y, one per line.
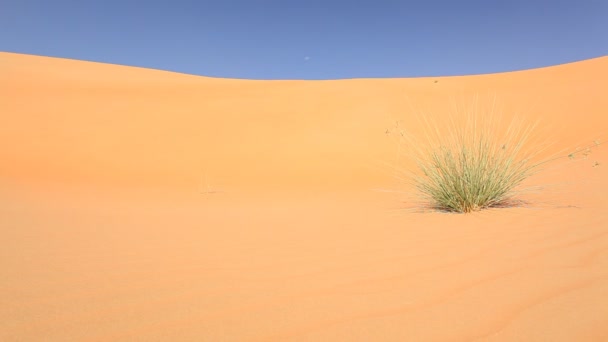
column 142, row 205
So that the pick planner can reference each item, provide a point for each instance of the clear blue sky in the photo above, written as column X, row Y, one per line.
column 314, row 39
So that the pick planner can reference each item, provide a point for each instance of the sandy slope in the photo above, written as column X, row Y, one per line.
column 146, row 205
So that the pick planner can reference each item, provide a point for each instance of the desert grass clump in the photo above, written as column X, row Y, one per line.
column 471, row 162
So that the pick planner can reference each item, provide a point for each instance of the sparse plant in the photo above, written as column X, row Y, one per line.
column 474, row 162
column 475, row 158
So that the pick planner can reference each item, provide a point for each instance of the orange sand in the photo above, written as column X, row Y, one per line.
column 141, row 205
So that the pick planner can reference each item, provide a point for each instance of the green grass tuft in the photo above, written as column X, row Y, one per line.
column 473, row 162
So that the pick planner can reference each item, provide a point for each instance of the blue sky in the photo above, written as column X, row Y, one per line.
column 316, row 39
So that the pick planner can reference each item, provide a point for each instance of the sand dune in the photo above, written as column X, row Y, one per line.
column 143, row 205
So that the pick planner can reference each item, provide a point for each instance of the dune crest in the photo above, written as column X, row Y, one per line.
column 148, row 205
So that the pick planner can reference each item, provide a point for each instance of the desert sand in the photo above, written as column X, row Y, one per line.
column 144, row 205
